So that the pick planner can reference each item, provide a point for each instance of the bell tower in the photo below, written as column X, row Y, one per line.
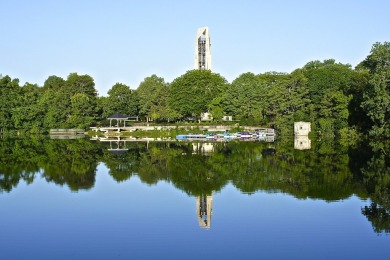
column 203, row 49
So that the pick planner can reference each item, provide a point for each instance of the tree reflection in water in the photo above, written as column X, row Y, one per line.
column 328, row 170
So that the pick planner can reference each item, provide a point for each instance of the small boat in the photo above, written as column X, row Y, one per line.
column 191, row 137
column 181, row 137
column 244, row 135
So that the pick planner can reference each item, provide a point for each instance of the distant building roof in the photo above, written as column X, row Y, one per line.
column 117, row 116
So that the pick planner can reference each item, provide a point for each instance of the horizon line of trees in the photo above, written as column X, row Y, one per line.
column 337, row 99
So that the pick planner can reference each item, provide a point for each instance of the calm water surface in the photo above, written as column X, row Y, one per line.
column 77, row 199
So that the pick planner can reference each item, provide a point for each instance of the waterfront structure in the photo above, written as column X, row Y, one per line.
column 203, row 49
column 227, row 118
column 207, row 116
column 301, row 138
column 302, row 128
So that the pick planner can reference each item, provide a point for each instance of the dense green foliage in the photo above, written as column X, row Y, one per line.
column 376, row 96
column 337, row 99
column 153, row 95
column 68, row 103
column 191, row 93
column 121, row 99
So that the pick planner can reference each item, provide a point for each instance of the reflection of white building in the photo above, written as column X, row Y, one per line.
column 302, row 128
column 302, row 142
column 202, row 148
column 204, row 210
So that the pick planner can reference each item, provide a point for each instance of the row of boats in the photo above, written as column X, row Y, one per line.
column 226, row 136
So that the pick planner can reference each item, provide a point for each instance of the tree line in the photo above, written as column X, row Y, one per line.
column 337, row 99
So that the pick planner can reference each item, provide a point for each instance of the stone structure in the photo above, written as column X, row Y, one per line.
column 207, row 116
column 302, row 142
column 203, row 49
column 227, row 118
column 301, row 139
column 302, row 128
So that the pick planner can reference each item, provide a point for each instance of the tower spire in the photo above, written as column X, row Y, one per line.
column 203, row 49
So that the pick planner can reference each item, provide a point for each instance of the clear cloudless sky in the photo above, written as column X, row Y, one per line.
column 126, row 41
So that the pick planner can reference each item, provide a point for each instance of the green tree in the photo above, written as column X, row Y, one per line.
column 61, row 111
column 55, row 102
column 82, row 84
column 376, row 96
column 244, row 98
column 83, row 110
column 53, row 83
column 329, row 84
column 286, row 100
column 121, row 99
column 29, row 115
column 10, row 99
column 216, row 109
column 152, row 96
column 191, row 93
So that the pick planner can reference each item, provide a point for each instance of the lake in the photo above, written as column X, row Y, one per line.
column 82, row 199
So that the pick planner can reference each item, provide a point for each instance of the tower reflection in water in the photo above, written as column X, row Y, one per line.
column 204, row 210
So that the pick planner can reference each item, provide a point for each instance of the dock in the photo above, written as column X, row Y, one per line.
column 66, row 132
column 208, row 128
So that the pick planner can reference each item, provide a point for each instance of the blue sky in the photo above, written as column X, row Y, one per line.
column 126, row 41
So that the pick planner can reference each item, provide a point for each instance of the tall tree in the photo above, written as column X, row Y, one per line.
column 243, row 100
column 10, row 98
column 82, row 84
column 83, row 100
column 83, row 111
column 56, row 103
column 329, row 84
column 376, row 96
column 286, row 100
column 57, row 99
column 152, row 95
column 121, row 99
column 29, row 115
column 191, row 93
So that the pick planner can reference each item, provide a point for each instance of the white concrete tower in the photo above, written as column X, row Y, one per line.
column 203, row 49
column 204, row 210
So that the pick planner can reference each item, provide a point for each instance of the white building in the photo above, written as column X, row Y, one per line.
column 302, row 128
column 203, row 49
column 207, row 116
column 227, row 118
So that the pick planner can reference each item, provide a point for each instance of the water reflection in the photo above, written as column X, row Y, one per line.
column 302, row 142
column 328, row 171
column 203, row 148
column 204, row 210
